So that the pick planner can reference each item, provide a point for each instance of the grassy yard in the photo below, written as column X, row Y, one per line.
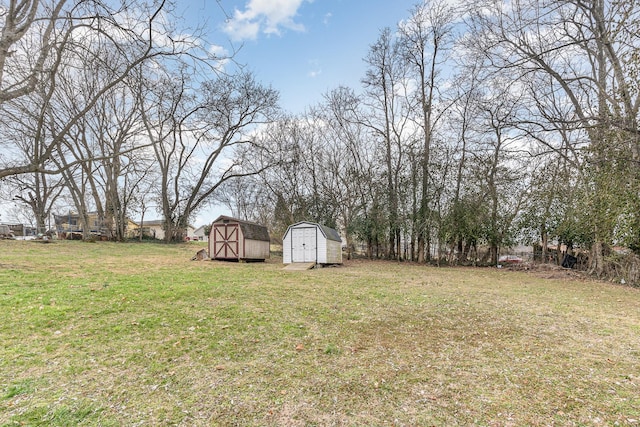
column 137, row 334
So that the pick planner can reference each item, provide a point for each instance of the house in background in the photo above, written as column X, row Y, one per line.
column 311, row 242
column 21, row 231
column 191, row 233
column 201, row 234
column 69, row 226
column 5, row 232
column 154, row 229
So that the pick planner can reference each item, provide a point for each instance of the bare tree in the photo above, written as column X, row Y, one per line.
column 197, row 135
column 40, row 40
column 25, row 24
column 104, row 145
column 425, row 38
column 247, row 198
column 36, row 191
column 286, row 181
column 348, row 159
column 388, row 115
column 296, row 171
column 494, row 153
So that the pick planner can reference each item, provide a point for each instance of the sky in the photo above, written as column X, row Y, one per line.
column 301, row 48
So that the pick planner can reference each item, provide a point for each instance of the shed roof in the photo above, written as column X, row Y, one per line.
column 250, row 230
column 328, row 232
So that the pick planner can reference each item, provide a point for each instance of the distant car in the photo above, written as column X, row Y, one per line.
column 510, row 259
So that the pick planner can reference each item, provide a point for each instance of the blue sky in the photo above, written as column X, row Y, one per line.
column 302, row 48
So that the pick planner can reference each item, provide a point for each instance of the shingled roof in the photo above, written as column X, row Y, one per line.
column 330, row 233
column 250, row 230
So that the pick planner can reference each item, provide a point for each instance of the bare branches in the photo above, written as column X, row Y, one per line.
column 198, row 132
column 17, row 21
column 86, row 32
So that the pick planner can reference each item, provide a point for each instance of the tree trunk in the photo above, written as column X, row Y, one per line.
column 596, row 259
column 545, row 245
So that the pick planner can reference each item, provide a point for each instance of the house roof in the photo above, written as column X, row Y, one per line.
column 156, row 223
column 250, row 230
column 328, row 232
column 151, row 223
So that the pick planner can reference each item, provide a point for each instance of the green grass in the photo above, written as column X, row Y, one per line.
column 137, row 334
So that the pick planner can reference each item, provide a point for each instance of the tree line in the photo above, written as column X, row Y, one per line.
column 475, row 127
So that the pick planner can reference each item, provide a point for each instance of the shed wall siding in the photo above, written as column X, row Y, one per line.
column 334, row 252
column 321, row 258
column 255, row 249
column 286, row 248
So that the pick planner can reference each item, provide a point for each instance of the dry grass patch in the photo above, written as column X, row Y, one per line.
column 114, row 334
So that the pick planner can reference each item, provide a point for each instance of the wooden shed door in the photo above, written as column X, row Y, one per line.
column 226, row 238
column 303, row 244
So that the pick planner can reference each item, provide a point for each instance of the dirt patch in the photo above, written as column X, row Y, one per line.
column 550, row 271
column 544, row 271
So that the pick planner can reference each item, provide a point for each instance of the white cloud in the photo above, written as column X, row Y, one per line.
column 266, row 16
column 239, row 30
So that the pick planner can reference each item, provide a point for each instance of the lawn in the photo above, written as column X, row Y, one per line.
column 116, row 334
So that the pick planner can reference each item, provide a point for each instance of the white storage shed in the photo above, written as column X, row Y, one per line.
column 311, row 242
column 235, row 239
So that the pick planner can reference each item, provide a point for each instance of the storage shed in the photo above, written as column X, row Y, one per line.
column 235, row 239
column 311, row 242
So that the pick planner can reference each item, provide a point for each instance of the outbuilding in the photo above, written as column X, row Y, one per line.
column 235, row 239
column 311, row 242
